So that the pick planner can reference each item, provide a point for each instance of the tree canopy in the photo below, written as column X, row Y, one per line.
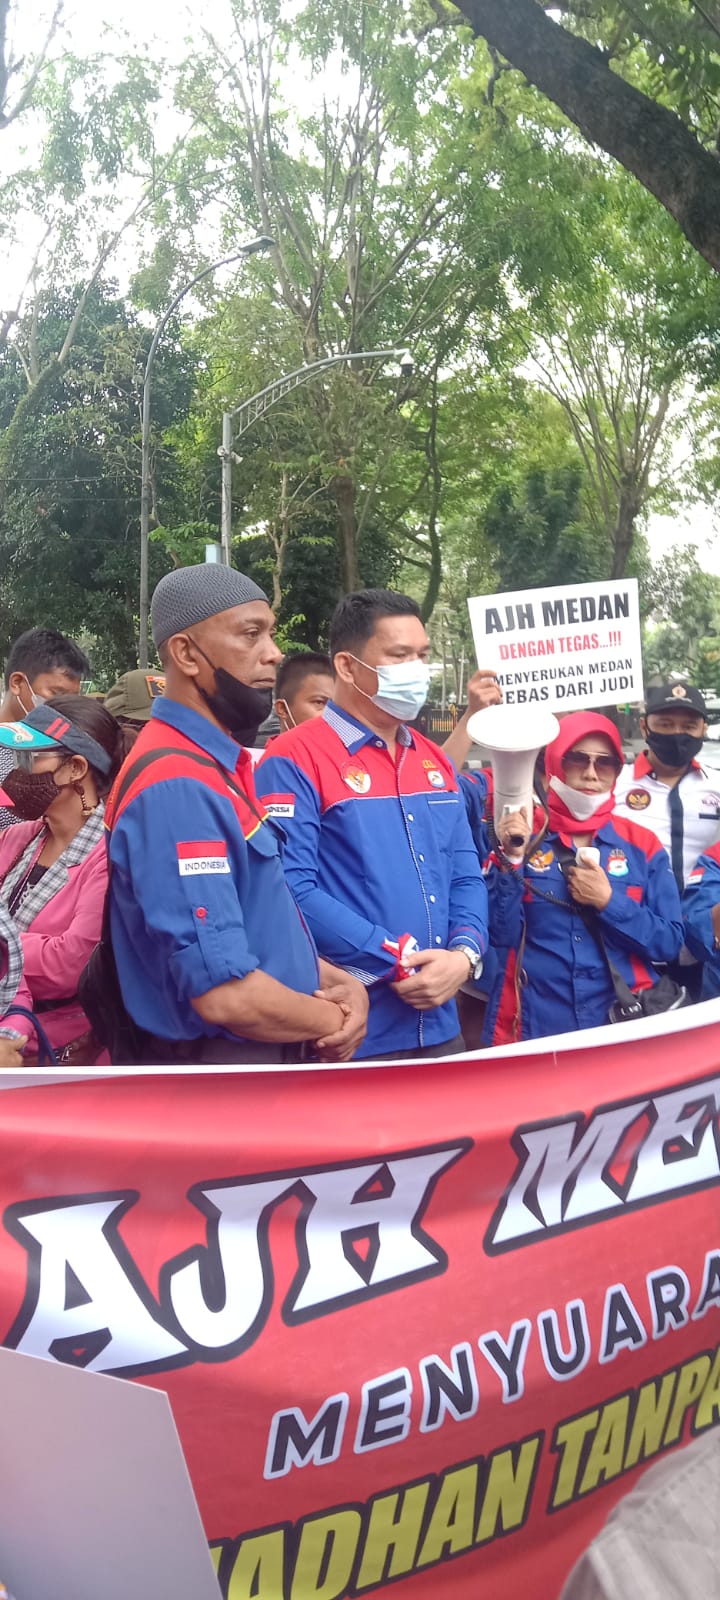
column 424, row 188
column 639, row 81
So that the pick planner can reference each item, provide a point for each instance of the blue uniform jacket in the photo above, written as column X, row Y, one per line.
column 566, row 984
column 474, row 790
column 198, row 894
column 376, row 848
column 702, row 892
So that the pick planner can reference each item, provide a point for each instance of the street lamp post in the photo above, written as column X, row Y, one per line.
column 248, row 412
column 249, row 249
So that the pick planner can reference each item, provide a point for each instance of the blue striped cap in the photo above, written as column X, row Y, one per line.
column 45, row 729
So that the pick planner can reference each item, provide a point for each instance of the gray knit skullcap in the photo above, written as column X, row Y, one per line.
column 192, row 594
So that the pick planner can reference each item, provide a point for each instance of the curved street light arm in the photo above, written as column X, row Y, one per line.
column 261, row 402
column 249, row 411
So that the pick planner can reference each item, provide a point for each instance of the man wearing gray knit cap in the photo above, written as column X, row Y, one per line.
column 214, row 961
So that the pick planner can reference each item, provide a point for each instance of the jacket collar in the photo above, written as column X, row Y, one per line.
column 355, row 734
column 200, row 731
column 643, row 768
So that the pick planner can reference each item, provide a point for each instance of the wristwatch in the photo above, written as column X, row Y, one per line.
column 476, row 961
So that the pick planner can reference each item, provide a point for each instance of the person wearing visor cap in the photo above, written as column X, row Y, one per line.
column 669, row 791
column 42, row 664
column 213, row 959
column 53, row 864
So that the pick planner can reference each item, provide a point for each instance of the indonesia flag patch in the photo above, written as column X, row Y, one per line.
column 279, row 805
column 198, row 857
column 697, row 875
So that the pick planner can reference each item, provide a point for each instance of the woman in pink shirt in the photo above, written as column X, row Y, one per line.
column 53, row 865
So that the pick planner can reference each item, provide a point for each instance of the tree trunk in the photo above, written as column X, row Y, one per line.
column 279, row 541
column 344, row 492
column 25, row 413
column 432, row 591
column 642, row 135
column 624, row 530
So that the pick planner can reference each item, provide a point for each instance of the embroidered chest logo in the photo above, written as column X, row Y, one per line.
column 638, row 799
column 617, row 864
column 542, row 860
column 435, row 777
column 357, row 778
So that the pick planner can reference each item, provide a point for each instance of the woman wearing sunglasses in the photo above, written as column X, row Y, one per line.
column 552, row 976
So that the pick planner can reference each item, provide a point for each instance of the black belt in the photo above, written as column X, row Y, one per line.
column 207, row 1051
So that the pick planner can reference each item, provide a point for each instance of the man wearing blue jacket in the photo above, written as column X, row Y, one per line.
column 379, row 855
column 701, row 910
column 214, row 960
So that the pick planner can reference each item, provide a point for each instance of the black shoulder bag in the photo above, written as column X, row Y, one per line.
column 665, row 995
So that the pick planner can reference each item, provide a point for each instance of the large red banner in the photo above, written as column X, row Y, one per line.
column 421, row 1326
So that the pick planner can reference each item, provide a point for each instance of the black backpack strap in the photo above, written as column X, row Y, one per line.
column 150, row 756
column 134, row 771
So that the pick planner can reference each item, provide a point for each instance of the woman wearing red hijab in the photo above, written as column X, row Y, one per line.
column 551, row 975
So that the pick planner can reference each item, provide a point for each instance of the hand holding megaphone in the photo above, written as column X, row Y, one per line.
column 513, row 831
column 513, row 737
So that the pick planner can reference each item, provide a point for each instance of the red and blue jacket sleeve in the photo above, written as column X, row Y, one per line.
column 195, row 922
column 702, row 892
column 653, row 926
column 506, row 890
column 341, row 934
column 468, row 903
column 474, row 790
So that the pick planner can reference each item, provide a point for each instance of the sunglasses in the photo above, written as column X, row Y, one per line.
column 578, row 761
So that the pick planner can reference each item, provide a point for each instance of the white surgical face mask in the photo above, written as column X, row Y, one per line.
column 286, row 715
column 35, row 699
column 581, row 806
column 402, row 688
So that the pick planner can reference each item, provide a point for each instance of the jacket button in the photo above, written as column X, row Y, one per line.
column 201, row 912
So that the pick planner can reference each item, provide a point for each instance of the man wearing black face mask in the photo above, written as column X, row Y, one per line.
column 214, row 960
column 667, row 790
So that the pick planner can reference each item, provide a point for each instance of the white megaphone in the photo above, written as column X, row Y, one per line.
column 513, row 737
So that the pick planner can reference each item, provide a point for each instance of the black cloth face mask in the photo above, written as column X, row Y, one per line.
column 237, row 706
column 674, row 750
column 32, row 793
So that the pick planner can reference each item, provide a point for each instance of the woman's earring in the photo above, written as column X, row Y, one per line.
column 86, row 809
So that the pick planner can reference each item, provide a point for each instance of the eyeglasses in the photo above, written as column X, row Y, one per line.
column 25, row 760
column 579, row 760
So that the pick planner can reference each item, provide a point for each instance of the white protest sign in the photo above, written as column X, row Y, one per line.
column 567, row 647
column 96, row 1501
